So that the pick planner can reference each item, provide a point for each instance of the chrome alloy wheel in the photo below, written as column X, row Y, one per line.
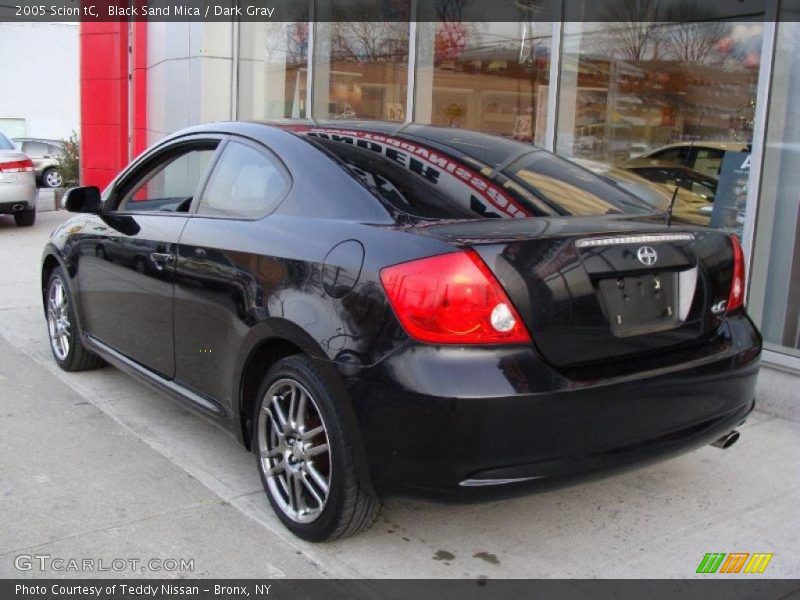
column 53, row 179
column 58, row 325
column 294, row 450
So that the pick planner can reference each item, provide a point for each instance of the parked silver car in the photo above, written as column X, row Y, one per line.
column 44, row 154
column 18, row 193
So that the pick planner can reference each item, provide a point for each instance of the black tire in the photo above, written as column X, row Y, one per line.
column 25, row 218
column 46, row 179
column 77, row 358
column 349, row 508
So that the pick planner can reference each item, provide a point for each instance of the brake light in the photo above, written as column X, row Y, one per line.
column 452, row 299
column 16, row 166
column 736, row 297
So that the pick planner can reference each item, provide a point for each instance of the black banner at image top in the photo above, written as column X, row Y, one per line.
column 392, row 589
column 399, row 10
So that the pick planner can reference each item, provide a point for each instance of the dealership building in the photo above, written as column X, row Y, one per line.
column 603, row 93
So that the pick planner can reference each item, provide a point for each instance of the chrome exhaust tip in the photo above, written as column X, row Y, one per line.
column 17, row 207
column 727, row 440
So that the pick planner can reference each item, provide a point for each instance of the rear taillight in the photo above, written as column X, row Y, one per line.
column 736, row 297
column 16, row 166
column 452, row 299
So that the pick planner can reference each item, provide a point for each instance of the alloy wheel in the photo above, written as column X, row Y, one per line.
column 53, row 179
column 58, row 325
column 294, row 450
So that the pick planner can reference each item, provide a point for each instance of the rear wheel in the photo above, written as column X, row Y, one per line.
column 305, row 456
column 25, row 218
column 64, row 336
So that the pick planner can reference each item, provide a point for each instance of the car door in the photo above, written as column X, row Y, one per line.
column 220, row 282
column 127, row 255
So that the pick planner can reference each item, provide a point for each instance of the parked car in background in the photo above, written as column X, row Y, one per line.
column 44, row 154
column 376, row 308
column 18, row 194
column 670, row 175
column 703, row 157
column 689, row 206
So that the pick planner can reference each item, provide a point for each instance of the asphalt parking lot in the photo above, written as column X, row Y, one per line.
column 94, row 465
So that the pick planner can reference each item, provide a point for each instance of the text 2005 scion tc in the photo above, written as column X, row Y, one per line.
column 377, row 310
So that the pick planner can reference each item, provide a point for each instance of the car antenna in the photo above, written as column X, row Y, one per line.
column 685, row 165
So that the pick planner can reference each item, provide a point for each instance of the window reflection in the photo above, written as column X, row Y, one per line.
column 361, row 70
column 273, row 69
column 489, row 77
column 636, row 95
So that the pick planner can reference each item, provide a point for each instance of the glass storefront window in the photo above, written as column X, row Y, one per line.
column 633, row 96
column 774, row 299
column 361, row 70
column 273, row 70
column 489, row 77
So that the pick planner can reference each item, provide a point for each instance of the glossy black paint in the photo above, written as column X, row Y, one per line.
column 203, row 325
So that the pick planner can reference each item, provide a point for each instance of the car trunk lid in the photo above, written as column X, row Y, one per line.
column 601, row 289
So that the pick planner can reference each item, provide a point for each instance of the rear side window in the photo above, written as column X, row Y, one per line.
column 245, row 183
column 708, row 161
column 35, row 148
column 674, row 156
column 5, row 144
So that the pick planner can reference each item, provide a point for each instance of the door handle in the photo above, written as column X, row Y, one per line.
column 161, row 258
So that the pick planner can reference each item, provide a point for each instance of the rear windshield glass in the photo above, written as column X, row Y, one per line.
column 5, row 144
column 425, row 182
column 570, row 188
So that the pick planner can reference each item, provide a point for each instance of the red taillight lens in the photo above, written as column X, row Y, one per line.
column 16, row 166
column 452, row 299
column 736, row 297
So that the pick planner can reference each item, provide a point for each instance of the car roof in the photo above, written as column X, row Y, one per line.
column 484, row 148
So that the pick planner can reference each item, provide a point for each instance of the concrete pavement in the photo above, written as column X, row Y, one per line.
column 96, row 465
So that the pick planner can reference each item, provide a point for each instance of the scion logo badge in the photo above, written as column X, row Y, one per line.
column 736, row 562
column 647, row 255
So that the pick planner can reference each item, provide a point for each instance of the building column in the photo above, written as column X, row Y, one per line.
column 104, row 100
column 139, row 94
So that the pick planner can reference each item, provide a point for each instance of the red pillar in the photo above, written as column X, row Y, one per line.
column 104, row 100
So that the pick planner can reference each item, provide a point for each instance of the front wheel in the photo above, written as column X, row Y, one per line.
column 64, row 336
column 52, row 178
column 305, row 456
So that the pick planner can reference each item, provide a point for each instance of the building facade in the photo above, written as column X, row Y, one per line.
column 618, row 97
column 39, row 95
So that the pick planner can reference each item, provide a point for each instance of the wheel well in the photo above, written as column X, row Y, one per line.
column 259, row 362
column 50, row 264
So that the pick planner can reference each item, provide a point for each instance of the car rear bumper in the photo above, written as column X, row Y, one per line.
column 20, row 190
column 456, row 423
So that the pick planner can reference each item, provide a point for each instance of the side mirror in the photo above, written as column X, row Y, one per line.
column 83, row 200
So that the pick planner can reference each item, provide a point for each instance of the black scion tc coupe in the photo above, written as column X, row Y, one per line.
column 375, row 309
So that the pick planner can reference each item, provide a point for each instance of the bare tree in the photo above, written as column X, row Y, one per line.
column 690, row 37
column 361, row 41
column 634, row 32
